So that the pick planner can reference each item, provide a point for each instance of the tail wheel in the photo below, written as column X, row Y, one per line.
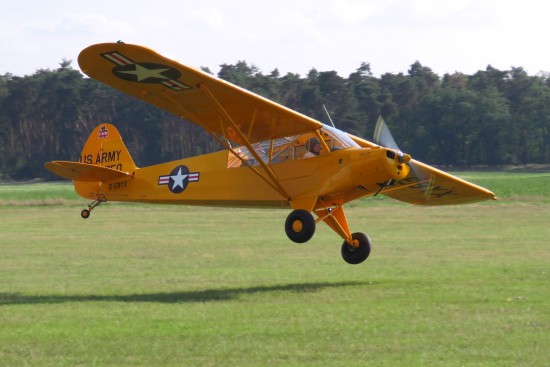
column 358, row 253
column 300, row 226
column 86, row 212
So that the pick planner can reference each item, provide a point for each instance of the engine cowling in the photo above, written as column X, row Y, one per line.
column 396, row 164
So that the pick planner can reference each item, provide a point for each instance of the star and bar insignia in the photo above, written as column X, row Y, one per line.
column 178, row 179
column 145, row 72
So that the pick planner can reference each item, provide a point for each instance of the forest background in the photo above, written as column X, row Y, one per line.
column 491, row 119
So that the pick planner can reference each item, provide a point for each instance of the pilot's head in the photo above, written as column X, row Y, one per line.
column 314, row 146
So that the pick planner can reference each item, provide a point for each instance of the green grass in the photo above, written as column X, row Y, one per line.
column 512, row 184
column 139, row 285
column 38, row 194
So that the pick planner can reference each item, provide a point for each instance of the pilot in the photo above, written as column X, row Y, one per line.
column 313, row 147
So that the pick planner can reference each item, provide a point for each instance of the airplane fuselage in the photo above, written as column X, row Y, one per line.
column 207, row 180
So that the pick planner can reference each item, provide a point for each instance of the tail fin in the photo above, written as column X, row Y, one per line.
column 104, row 158
column 105, row 148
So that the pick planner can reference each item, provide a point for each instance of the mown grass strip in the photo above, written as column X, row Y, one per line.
column 142, row 285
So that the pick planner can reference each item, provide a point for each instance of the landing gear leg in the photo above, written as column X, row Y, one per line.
column 356, row 247
column 85, row 214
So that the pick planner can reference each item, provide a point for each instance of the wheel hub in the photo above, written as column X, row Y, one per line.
column 297, row 226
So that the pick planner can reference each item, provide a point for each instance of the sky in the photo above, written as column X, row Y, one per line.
column 293, row 36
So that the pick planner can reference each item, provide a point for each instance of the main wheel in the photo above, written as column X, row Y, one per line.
column 300, row 226
column 356, row 255
column 85, row 213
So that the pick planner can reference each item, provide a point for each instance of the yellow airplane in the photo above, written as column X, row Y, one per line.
column 274, row 157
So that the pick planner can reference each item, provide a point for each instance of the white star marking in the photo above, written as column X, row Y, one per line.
column 143, row 73
column 178, row 179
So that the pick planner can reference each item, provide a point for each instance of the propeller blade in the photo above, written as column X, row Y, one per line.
column 383, row 136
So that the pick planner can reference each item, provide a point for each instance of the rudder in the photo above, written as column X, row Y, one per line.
column 105, row 148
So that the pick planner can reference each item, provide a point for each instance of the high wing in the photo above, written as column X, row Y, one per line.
column 426, row 185
column 219, row 107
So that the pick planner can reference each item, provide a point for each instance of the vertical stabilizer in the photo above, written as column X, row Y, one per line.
column 103, row 148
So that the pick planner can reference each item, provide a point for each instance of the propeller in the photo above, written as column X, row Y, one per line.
column 383, row 137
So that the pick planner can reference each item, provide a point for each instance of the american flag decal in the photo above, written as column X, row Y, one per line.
column 103, row 133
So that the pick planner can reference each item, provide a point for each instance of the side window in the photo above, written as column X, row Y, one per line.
column 234, row 161
column 270, row 151
column 289, row 148
column 310, row 146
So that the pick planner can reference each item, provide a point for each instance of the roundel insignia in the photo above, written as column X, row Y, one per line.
column 178, row 179
column 146, row 72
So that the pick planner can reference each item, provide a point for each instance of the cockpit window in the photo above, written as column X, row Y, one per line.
column 290, row 148
column 338, row 139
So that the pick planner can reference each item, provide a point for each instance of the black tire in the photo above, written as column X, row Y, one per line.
column 356, row 255
column 300, row 226
column 85, row 214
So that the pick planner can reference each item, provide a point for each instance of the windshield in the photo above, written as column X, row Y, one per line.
column 339, row 139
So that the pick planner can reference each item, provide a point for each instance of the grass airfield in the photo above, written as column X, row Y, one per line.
column 139, row 285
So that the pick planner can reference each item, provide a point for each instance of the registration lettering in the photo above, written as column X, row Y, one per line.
column 117, row 185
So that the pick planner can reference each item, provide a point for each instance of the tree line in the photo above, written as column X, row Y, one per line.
column 493, row 117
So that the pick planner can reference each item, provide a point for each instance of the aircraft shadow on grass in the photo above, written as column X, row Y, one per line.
column 207, row 295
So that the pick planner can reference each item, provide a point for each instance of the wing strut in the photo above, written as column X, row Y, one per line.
column 185, row 113
column 245, row 141
column 322, row 140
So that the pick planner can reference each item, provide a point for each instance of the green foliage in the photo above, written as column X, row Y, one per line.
column 493, row 117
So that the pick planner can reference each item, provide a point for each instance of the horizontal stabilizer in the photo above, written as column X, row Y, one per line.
column 85, row 172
